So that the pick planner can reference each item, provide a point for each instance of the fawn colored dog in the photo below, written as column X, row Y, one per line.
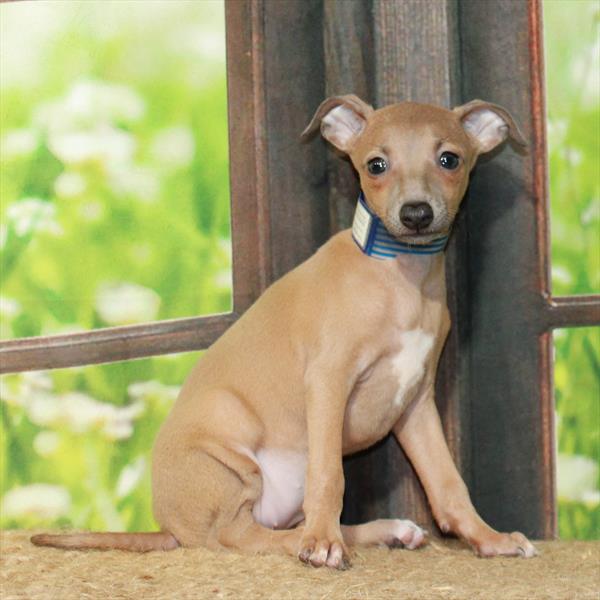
column 331, row 358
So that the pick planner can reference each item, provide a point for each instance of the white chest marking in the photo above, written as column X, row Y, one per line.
column 409, row 364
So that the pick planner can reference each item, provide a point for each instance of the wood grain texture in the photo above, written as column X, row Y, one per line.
column 571, row 311
column 349, row 69
column 112, row 344
column 296, row 173
column 415, row 47
column 510, row 388
column 250, row 215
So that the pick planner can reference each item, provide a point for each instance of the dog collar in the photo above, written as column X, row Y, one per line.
column 371, row 236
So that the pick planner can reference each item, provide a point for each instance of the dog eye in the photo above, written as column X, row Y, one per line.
column 376, row 166
column 449, row 160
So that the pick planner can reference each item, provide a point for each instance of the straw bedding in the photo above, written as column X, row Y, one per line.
column 565, row 570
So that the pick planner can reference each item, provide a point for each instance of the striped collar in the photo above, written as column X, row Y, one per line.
column 371, row 236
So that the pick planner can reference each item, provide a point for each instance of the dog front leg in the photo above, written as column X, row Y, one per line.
column 420, row 434
column 322, row 542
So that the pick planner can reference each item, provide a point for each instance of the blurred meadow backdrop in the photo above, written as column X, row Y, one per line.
column 572, row 47
column 115, row 210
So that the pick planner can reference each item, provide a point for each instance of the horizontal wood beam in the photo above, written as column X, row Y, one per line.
column 112, row 344
column 571, row 311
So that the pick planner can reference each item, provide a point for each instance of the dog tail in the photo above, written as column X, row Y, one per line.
column 134, row 542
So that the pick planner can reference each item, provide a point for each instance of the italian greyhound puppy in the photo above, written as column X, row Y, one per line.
column 250, row 457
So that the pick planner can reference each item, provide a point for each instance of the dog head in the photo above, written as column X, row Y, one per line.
column 413, row 159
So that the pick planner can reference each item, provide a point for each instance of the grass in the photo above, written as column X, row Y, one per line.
column 573, row 108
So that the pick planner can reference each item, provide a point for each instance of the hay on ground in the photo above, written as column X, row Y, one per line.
column 448, row 570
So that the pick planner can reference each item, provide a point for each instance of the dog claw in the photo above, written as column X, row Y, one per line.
column 513, row 544
column 304, row 555
column 324, row 554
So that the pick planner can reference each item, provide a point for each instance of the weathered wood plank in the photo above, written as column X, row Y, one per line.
column 250, row 218
column 296, row 172
column 112, row 344
column 510, row 385
column 349, row 59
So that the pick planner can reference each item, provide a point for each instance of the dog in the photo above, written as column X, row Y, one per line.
column 334, row 356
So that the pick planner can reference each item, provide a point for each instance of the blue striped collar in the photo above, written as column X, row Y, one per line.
column 371, row 236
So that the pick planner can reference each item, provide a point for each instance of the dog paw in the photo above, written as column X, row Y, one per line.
column 324, row 552
column 404, row 534
column 505, row 544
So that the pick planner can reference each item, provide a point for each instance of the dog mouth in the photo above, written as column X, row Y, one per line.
column 420, row 238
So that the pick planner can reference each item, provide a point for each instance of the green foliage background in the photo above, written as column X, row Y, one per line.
column 151, row 225
column 151, row 217
column 571, row 30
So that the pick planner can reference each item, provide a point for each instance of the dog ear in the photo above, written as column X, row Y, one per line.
column 488, row 125
column 342, row 119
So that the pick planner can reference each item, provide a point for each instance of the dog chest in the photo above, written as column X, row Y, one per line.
column 381, row 396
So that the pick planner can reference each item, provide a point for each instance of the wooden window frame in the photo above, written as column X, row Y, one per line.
column 249, row 252
column 494, row 387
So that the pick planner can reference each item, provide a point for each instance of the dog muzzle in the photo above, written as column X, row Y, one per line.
column 372, row 237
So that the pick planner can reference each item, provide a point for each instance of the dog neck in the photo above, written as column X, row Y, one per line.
column 372, row 237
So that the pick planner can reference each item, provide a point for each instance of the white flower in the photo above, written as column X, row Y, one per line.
column 19, row 389
column 130, row 476
column 592, row 212
column 557, row 130
column 31, row 215
column 126, row 303
column 561, row 274
column 46, row 443
column 91, row 211
column 223, row 279
column 43, row 409
column 104, row 144
column 119, row 425
column 174, row 147
column 37, row 380
column 81, row 412
column 70, row 185
column 17, row 143
column 52, row 116
column 38, row 500
column 572, row 155
column 585, row 72
column 136, row 181
column 89, row 104
column 576, row 476
column 92, row 100
column 118, row 430
column 9, row 307
column 77, row 411
column 224, row 245
column 591, row 497
column 146, row 390
column 207, row 45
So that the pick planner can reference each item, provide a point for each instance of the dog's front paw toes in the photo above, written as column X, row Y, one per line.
column 505, row 544
column 405, row 534
column 323, row 552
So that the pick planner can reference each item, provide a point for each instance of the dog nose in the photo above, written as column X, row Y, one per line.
column 416, row 215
